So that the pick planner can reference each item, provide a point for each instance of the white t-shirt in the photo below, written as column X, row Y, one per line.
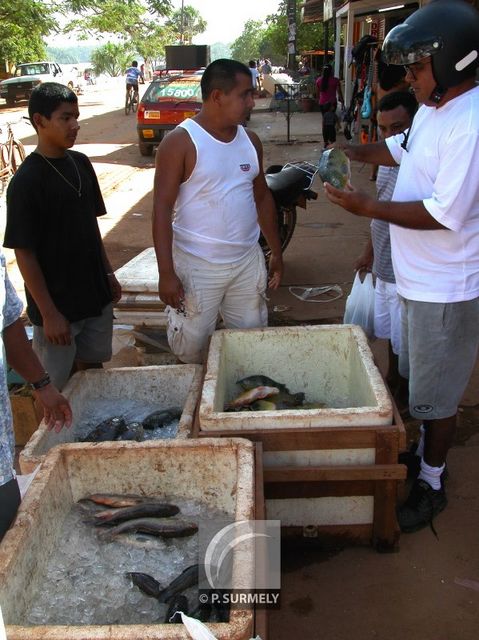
column 441, row 168
column 215, row 215
column 254, row 75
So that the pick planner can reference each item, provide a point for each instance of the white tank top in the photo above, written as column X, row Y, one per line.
column 215, row 215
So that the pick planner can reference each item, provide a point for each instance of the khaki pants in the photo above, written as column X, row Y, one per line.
column 236, row 291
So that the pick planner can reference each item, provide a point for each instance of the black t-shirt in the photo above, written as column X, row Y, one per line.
column 46, row 214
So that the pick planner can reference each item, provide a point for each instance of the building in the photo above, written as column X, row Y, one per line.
column 353, row 19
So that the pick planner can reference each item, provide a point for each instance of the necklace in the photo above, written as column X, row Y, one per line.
column 77, row 189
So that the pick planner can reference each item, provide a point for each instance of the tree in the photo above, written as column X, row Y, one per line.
column 134, row 22
column 193, row 23
column 23, row 23
column 308, row 36
column 248, row 45
column 112, row 59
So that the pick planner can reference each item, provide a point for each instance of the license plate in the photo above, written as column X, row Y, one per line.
column 148, row 133
column 189, row 114
column 153, row 115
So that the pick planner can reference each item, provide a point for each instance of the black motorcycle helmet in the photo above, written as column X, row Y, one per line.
column 446, row 30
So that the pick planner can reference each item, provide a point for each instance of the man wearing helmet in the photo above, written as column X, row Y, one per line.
column 435, row 229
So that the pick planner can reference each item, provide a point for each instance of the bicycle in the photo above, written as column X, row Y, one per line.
column 131, row 101
column 12, row 154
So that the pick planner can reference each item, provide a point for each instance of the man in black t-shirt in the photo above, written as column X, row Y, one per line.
column 53, row 202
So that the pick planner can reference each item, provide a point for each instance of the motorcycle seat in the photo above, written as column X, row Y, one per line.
column 287, row 184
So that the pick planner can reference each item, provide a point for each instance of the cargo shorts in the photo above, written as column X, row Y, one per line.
column 236, row 291
column 439, row 344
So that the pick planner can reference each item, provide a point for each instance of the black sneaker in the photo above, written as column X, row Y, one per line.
column 422, row 505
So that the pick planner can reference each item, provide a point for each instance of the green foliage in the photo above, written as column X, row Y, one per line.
column 248, row 45
column 70, row 55
column 135, row 22
column 193, row 23
column 270, row 41
column 23, row 23
column 112, row 59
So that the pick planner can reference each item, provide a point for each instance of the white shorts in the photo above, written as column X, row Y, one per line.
column 387, row 314
column 237, row 291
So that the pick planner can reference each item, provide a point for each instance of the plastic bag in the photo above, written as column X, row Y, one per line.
column 197, row 630
column 360, row 304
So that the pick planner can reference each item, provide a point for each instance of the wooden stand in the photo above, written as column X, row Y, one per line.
column 260, row 614
column 379, row 480
column 25, row 417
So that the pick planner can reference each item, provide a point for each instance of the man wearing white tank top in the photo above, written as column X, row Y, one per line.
column 210, row 202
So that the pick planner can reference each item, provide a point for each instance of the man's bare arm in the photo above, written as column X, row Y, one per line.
column 412, row 215
column 375, row 153
column 169, row 174
column 22, row 358
column 267, row 218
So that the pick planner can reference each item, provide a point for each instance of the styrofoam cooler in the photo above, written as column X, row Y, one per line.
column 174, row 385
column 218, row 472
column 332, row 364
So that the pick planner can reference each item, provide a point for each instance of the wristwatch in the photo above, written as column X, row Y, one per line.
column 40, row 384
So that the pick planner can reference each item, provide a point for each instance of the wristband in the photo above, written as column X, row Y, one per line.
column 40, row 384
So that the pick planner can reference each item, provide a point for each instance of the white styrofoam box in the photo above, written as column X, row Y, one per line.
column 329, row 363
column 170, row 385
column 218, row 472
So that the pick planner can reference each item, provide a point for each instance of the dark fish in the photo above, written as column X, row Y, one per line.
column 188, row 578
column 116, row 500
column 250, row 396
column 161, row 418
column 145, row 583
column 106, row 430
column 177, row 603
column 334, row 167
column 161, row 527
column 142, row 510
column 260, row 381
column 133, row 431
column 289, row 400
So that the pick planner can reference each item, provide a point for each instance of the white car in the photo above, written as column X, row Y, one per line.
column 28, row 76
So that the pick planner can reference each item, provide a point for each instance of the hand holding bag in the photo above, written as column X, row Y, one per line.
column 360, row 304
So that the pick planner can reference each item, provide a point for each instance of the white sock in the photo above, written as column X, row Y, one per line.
column 420, row 447
column 431, row 475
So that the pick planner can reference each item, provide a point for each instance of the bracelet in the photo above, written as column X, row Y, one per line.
column 40, row 384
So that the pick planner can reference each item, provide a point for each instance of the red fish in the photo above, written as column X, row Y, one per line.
column 250, row 396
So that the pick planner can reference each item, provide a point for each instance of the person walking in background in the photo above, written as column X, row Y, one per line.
column 435, row 227
column 210, row 201
column 53, row 202
column 330, row 125
column 20, row 356
column 254, row 75
column 395, row 114
column 328, row 90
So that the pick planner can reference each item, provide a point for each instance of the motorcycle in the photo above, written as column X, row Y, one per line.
column 290, row 186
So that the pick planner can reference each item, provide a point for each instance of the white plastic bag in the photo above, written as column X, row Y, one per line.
column 197, row 630
column 360, row 304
